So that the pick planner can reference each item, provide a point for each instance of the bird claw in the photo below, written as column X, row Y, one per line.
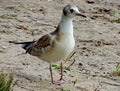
column 60, row 81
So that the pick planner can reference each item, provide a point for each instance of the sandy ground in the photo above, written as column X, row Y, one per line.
column 97, row 44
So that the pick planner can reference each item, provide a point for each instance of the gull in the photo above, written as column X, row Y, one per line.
column 57, row 45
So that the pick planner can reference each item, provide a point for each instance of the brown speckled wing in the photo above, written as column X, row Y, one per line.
column 44, row 43
column 45, row 40
column 40, row 45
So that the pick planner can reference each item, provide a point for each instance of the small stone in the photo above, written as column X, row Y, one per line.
column 4, row 47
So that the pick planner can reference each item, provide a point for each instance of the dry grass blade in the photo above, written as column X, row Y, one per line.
column 23, row 27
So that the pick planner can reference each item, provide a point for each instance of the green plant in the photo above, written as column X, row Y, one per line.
column 4, row 15
column 64, row 89
column 113, row 13
column 5, row 82
column 117, row 70
column 103, row 52
column 57, row 66
column 66, row 69
column 115, row 20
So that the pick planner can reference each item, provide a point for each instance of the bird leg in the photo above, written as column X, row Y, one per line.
column 51, row 75
column 61, row 72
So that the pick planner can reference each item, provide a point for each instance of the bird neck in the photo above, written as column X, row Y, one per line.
column 66, row 25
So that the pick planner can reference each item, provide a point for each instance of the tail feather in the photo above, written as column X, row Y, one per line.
column 25, row 45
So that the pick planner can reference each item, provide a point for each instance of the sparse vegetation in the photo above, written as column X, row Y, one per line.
column 3, row 15
column 75, row 81
column 115, row 20
column 5, row 82
column 57, row 66
column 64, row 89
column 116, row 14
column 67, row 68
column 116, row 71
column 113, row 13
column 103, row 53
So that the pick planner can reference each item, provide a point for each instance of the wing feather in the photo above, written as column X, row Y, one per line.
column 43, row 44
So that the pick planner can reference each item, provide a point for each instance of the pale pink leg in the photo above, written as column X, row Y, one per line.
column 51, row 75
column 61, row 72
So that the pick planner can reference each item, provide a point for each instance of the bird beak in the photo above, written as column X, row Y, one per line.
column 79, row 14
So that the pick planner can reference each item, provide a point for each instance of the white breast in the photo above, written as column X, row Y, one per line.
column 60, row 51
column 65, row 47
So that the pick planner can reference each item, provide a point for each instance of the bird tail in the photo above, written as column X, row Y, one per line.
column 25, row 45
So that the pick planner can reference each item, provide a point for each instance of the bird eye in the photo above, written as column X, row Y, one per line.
column 71, row 10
